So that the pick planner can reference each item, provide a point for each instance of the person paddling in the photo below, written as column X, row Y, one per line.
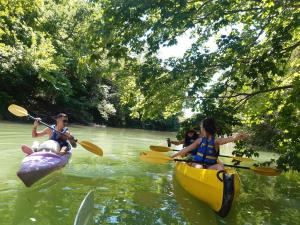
column 208, row 146
column 64, row 141
column 189, row 138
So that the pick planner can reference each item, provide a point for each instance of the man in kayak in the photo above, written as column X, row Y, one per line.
column 208, row 146
column 189, row 138
column 64, row 140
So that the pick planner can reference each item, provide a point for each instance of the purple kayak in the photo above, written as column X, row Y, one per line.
column 39, row 164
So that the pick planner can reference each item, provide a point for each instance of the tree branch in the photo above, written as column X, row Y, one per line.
column 259, row 92
column 292, row 47
column 248, row 95
column 241, row 10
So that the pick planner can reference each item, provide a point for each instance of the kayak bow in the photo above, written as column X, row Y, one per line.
column 39, row 164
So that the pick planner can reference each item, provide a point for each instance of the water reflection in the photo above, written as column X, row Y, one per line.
column 128, row 191
column 195, row 211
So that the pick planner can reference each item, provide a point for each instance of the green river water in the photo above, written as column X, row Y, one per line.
column 127, row 190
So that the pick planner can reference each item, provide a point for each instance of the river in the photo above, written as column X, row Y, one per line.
column 128, row 190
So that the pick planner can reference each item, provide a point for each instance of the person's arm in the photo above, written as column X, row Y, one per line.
column 71, row 139
column 222, row 141
column 42, row 133
column 188, row 148
column 177, row 142
column 36, row 133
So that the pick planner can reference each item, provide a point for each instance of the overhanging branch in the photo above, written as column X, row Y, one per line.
column 248, row 95
column 259, row 92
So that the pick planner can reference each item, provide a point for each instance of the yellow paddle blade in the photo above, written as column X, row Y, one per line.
column 266, row 171
column 91, row 147
column 154, row 157
column 160, row 148
column 154, row 153
column 241, row 159
column 167, row 149
column 17, row 110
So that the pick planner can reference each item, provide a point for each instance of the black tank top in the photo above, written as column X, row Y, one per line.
column 190, row 140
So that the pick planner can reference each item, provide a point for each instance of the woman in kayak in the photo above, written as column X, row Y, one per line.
column 189, row 138
column 64, row 141
column 208, row 146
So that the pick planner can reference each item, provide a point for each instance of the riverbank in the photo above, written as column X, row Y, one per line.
column 136, row 125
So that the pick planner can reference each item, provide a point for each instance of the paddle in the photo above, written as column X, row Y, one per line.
column 167, row 149
column 21, row 112
column 160, row 158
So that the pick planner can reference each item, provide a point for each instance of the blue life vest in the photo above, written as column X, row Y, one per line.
column 207, row 153
column 57, row 137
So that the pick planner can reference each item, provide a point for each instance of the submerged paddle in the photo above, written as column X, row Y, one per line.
column 160, row 158
column 21, row 112
column 167, row 149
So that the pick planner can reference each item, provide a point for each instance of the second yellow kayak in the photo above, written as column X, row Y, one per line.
column 218, row 189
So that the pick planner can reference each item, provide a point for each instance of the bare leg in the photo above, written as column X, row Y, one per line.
column 26, row 149
column 63, row 150
column 218, row 166
column 196, row 165
column 35, row 146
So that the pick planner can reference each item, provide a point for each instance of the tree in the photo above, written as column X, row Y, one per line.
column 50, row 59
column 255, row 41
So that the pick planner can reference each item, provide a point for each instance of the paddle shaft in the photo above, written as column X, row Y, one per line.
column 225, row 156
column 45, row 124
column 193, row 161
column 21, row 112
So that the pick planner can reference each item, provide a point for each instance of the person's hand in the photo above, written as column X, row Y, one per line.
column 37, row 122
column 68, row 136
column 175, row 155
column 72, row 140
column 242, row 136
column 175, row 142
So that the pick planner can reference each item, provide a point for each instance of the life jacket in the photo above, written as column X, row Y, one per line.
column 57, row 137
column 190, row 140
column 207, row 152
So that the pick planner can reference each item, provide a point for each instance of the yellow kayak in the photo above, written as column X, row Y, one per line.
column 218, row 189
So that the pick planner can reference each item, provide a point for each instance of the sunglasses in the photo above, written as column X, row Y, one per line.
column 65, row 121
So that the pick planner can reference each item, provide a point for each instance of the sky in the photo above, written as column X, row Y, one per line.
column 184, row 42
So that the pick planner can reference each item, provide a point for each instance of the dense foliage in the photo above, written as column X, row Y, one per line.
column 243, row 67
column 53, row 58
column 98, row 60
